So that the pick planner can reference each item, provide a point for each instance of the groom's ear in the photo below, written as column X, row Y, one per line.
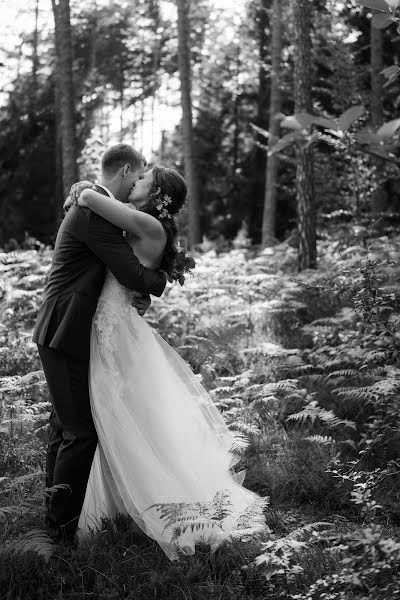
column 126, row 169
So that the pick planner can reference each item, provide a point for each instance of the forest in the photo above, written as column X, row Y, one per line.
column 283, row 117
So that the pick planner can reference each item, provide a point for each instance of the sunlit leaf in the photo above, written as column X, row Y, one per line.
column 349, row 117
column 381, row 21
column 390, row 71
column 388, row 129
column 291, row 123
column 284, row 142
column 393, row 3
column 367, row 137
column 324, row 122
column 305, row 119
column 376, row 5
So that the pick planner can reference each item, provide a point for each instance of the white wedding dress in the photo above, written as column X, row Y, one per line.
column 164, row 453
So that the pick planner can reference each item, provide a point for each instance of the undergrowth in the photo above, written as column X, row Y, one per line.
column 304, row 368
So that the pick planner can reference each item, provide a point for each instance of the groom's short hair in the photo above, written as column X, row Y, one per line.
column 119, row 155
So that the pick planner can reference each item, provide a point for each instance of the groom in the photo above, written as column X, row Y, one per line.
column 86, row 244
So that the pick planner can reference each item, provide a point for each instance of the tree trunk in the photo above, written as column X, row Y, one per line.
column 142, row 116
column 376, row 77
column 187, row 123
column 163, row 145
column 93, row 40
column 236, row 134
column 236, row 119
column 122, row 102
column 35, row 67
column 59, row 189
column 255, row 216
column 378, row 196
column 35, row 58
column 65, row 86
column 271, row 180
column 307, row 256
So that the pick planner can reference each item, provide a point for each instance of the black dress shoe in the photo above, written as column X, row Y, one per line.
column 61, row 536
column 136, row 536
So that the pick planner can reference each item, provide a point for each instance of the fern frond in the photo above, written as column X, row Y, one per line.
column 241, row 442
column 348, row 442
column 36, row 540
column 303, row 533
column 17, row 481
column 12, row 383
column 313, row 411
column 323, row 440
column 284, row 385
column 374, row 357
column 273, row 550
column 222, row 389
column 195, row 524
column 245, row 428
column 300, row 368
column 344, row 373
column 345, row 423
column 280, row 551
column 371, row 374
column 183, row 512
column 387, row 386
column 9, row 383
column 10, row 511
column 363, row 393
column 253, row 516
column 230, row 406
column 329, row 363
column 27, row 505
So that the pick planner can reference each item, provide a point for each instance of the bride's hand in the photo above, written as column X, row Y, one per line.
column 81, row 200
column 76, row 190
column 67, row 204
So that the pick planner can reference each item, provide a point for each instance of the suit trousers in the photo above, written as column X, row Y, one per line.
column 72, row 440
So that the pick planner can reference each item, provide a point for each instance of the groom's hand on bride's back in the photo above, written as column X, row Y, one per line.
column 141, row 302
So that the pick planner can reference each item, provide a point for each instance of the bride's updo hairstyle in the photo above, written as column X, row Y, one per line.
column 166, row 197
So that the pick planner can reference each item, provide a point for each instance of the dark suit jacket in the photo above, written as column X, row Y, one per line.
column 86, row 243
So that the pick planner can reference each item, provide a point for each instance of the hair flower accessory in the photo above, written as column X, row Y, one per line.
column 162, row 205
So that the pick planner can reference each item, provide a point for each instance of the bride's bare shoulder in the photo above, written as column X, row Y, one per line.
column 149, row 251
column 143, row 225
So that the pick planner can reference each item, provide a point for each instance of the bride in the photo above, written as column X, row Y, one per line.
column 165, row 454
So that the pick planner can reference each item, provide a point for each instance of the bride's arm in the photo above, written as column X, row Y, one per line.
column 132, row 220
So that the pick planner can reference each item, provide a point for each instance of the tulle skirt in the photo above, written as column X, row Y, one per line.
column 165, row 454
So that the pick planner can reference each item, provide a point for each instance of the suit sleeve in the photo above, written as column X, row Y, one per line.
column 106, row 242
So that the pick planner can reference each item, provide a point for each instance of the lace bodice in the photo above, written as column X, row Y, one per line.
column 113, row 308
column 115, row 293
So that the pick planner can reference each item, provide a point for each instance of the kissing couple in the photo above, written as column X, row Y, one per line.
column 132, row 431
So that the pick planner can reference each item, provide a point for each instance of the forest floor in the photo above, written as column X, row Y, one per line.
column 286, row 358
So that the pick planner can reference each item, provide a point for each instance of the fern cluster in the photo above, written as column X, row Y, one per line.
column 305, row 371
